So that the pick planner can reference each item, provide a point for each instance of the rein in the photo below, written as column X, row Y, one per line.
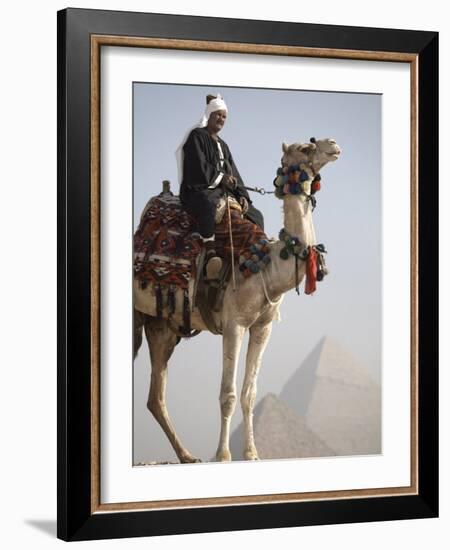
column 259, row 190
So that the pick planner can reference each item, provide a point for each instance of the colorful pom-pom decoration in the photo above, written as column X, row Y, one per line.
column 294, row 189
column 304, row 254
column 254, row 259
column 288, row 179
column 304, row 176
column 315, row 186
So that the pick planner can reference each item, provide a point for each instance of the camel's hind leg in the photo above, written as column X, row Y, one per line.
column 161, row 342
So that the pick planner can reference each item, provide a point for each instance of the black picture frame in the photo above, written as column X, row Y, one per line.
column 76, row 476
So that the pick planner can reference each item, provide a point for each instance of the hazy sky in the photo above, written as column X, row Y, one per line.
column 347, row 304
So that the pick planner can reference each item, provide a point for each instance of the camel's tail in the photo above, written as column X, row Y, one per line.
column 138, row 325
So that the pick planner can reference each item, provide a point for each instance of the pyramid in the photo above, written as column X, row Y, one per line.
column 279, row 433
column 338, row 399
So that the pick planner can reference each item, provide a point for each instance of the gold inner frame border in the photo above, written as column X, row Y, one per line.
column 97, row 41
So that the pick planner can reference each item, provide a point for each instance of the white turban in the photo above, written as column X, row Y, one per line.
column 217, row 104
column 214, row 105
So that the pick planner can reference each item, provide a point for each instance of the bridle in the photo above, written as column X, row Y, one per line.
column 289, row 181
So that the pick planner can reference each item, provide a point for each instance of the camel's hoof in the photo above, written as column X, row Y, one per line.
column 223, row 456
column 251, row 455
column 189, row 459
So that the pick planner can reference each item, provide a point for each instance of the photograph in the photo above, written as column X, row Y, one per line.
column 231, row 363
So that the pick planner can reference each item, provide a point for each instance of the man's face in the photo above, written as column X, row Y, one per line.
column 216, row 121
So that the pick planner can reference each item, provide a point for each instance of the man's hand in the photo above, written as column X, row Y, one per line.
column 229, row 182
column 244, row 203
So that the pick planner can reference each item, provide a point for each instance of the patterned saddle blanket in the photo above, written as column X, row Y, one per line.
column 166, row 246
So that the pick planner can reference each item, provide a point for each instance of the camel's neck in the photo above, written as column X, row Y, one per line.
column 298, row 220
column 279, row 275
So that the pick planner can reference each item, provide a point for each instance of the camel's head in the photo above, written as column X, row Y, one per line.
column 300, row 166
column 296, row 153
column 326, row 150
column 315, row 154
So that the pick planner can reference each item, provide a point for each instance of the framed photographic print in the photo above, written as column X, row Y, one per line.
column 248, row 296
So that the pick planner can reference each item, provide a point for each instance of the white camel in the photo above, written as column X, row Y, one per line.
column 252, row 306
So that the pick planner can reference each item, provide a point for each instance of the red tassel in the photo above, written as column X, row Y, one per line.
column 311, row 272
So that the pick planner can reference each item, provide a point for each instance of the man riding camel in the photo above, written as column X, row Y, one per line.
column 209, row 173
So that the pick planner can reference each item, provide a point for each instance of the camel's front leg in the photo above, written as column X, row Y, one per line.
column 259, row 336
column 232, row 339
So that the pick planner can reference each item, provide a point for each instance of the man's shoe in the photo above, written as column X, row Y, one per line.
column 213, row 268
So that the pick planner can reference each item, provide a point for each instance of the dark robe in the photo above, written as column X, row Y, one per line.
column 201, row 167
